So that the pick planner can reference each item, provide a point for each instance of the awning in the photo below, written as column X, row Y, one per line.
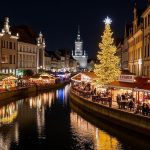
column 140, row 84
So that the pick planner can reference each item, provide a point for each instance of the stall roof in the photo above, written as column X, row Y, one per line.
column 10, row 78
column 140, row 83
column 77, row 77
column 90, row 74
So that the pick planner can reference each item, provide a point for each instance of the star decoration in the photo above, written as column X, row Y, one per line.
column 107, row 21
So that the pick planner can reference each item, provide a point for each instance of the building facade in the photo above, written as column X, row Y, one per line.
column 60, row 61
column 135, row 42
column 20, row 49
column 125, row 48
column 26, row 49
column 119, row 46
column 8, row 49
column 48, row 61
column 27, row 57
column 146, row 40
column 79, row 54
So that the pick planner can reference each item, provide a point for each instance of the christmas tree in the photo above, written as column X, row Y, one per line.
column 107, row 69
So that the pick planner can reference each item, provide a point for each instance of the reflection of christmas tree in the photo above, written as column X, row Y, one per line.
column 108, row 68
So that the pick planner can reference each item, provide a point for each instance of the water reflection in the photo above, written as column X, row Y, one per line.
column 87, row 134
column 40, row 102
column 109, row 136
column 62, row 94
column 8, row 113
column 38, row 122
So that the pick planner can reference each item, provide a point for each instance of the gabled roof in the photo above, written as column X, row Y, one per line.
column 26, row 34
column 77, row 77
column 90, row 74
column 146, row 10
column 52, row 54
column 46, row 54
column 63, row 52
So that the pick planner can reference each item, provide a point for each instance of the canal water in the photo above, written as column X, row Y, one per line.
column 49, row 121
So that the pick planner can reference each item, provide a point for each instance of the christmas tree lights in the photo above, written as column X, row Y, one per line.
column 107, row 69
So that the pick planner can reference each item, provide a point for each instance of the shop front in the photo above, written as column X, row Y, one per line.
column 9, row 83
column 132, row 87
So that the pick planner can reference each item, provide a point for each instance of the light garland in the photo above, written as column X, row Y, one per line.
column 107, row 69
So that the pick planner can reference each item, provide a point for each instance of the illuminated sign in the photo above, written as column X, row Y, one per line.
column 126, row 78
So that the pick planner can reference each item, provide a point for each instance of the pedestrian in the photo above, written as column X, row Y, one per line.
column 118, row 100
column 147, row 110
column 110, row 101
column 144, row 109
column 131, row 104
column 95, row 91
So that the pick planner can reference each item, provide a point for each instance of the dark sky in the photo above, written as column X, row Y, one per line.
column 58, row 19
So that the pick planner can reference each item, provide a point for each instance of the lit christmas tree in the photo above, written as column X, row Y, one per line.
column 108, row 68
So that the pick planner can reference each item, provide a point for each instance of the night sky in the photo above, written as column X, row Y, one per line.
column 58, row 19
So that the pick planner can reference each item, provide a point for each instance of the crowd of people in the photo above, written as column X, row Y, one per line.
column 125, row 101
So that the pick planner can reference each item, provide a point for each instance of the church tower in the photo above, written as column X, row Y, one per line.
column 79, row 54
column 135, row 17
column 41, row 51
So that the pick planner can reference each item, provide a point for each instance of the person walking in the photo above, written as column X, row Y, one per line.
column 118, row 100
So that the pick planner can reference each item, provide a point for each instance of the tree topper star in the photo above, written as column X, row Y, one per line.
column 107, row 21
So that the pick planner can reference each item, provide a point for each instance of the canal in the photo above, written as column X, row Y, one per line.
column 50, row 121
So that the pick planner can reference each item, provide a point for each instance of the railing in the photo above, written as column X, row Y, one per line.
column 124, row 105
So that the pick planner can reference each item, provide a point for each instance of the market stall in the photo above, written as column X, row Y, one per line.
column 9, row 82
column 43, row 79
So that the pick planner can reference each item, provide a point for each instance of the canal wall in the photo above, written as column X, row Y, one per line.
column 137, row 123
column 25, row 91
column 17, row 92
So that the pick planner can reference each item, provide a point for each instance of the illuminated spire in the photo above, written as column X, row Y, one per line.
column 6, row 26
column 78, row 30
column 40, row 34
column 107, row 21
column 78, row 35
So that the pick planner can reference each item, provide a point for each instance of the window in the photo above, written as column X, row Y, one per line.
column 145, row 50
column 148, row 50
column 7, row 45
column 10, row 59
column 14, row 45
column 2, row 44
column 10, row 45
column 148, row 71
column 4, row 59
column 20, row 48
column 145, row 21
column 148, row 19
column 14, row 59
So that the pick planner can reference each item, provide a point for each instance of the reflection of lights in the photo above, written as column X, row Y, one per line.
column 16, row 133
column 80, row 125
column 40, row 120
column 6, row 139
column 60, row 94
column 67, row 87
column 85, row 130
column 97, row 134
column 8, row 113
column 41, row 100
